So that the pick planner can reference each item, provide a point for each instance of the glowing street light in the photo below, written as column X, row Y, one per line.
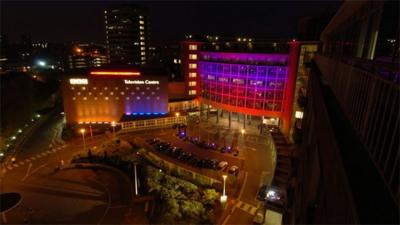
column 224, row 197
column 243, row 131
column 83, row 138
column 113, row 124
column 41, row 63
column 177, row 114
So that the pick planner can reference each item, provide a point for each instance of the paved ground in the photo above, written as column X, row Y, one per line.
column 70, row 195
column 256, row 160
column 85, row 196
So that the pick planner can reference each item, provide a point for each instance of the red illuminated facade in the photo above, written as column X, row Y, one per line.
column 248, row 83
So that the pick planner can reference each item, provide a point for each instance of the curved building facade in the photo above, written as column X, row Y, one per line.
column 249, row 83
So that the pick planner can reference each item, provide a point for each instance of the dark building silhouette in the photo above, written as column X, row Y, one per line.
column 348, row 162
column 127, row 35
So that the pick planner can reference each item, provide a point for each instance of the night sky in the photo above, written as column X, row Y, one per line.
column 169, row 21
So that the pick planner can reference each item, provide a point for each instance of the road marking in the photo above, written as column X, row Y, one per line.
column 27, row 172
column 246, row 207
column 15, row 165
column 253, row 211
column 244, row 184
column 21, row 163
column 226, row 219
column 38, row 168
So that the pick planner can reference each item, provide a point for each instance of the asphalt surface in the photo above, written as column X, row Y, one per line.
column 86, row 196
column 256, row 160
column 70, row 195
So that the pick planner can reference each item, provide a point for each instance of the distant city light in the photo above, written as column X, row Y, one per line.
column 13, row 138
column 41, row 63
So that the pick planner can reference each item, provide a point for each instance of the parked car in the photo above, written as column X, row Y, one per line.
column 213, row 164
column 194, row 161
column 222, row 165
column 262, row 193
column 234, row 170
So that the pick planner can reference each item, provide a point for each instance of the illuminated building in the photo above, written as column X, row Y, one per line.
column 256, row 80
column 86, row 55
column 102, row 96
column 127, row 35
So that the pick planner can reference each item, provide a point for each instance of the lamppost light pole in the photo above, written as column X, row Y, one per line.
column 83, row 137
column 113, row 124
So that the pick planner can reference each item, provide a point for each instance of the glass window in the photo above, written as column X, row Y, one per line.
column 243, row 70
column 192, row 65
column 193, row 56
column 233, row 101
column 235, row 69
column 240, row 102
column 193, row 47
column 249, row 103
column 262, row 70
column 192, row 83
column 223, row 79
column 192, row 74
column 252, row 70
column 238, row 81
column 259, row 83
column 259, row 104
column 211, row 77
column 192, row 92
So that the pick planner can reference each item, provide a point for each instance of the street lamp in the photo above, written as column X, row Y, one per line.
column 83, row 137
column 224, row 197
column 242, row 131
column 113, row 127
column 224, row 177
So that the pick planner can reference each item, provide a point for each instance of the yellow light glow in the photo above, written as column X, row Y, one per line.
column 82, row 131
column 114, row 73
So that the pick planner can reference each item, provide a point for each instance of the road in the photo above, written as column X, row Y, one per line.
column 90, row 195
column 85, row 196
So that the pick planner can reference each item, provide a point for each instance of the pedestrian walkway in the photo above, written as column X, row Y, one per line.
column 251, row 209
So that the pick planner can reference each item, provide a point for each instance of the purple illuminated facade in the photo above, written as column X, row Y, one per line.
column 248, row 83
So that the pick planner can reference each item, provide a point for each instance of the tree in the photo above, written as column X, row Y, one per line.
column 209, row 197
column 173, row 210
column 192, row 209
